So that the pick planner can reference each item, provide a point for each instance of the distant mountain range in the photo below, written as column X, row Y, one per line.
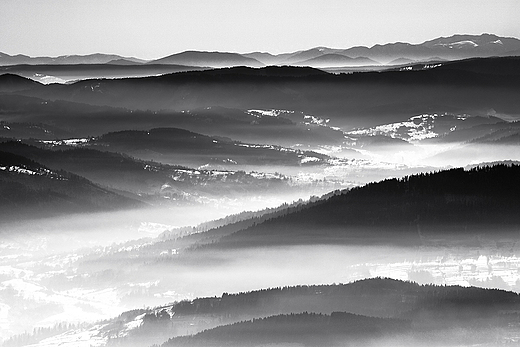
column 335, row 60
column 97, row 58
column 442, row 48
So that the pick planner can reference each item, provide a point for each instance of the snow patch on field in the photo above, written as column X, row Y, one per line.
column 92, row 337
column 26, row 171
column 68, row 142
column 268, row 113
column 308, row 120
column 414, row 129
column 481, row 270
column 136, row 323
column 305, row 160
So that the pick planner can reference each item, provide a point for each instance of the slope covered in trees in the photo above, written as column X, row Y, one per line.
column 376, row 307
column 151, row 180
column 309, row 329
column 31, row 190
column 402, row 211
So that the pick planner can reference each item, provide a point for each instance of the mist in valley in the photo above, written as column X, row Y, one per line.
column 97, row 276
column 88, row 267
column 168, row 204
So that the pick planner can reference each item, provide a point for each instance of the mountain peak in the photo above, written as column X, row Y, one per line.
column 208, row 59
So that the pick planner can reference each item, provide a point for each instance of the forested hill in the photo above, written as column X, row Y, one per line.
column 380, row 297
column 31, row 190
column 352, row 100
column 454, row 201
column 308, row 329
column 429, row 308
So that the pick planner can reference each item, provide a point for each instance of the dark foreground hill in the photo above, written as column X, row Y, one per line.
column 483, row 200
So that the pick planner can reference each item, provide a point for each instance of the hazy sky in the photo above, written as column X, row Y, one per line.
column 156, row 28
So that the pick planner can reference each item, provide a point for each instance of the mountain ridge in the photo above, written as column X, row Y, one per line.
column 457, row 46
column 361, row 306
column 211, row 59
column 472, row 86
column 94, row 58
column 398, row 211
column 31, row 190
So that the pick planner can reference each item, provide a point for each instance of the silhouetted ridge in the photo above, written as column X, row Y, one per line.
column 454, row 201
column 10, row 83
column 210, row 59
column 30, row 190
column 268, row 71
column 310, row 329
column 492, row 66
column 179, row 185
column 168, row 133
column 341, row 296
column 9, row 159
column 333, row 59
column 317, row 315
column 355, row 99
column 183, row 147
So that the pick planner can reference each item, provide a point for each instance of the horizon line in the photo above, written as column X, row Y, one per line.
column 244, row 53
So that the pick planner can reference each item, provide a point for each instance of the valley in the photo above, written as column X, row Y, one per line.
column 364, row 196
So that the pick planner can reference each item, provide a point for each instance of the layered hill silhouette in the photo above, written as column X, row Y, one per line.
column 68, row 73
column 473, row 86
column 450, row 48
column 335, row 60
column 302, row 329
column 12, row 83
column 28, row 117
column 148, row 181
column 30, row 190
column 454, row 47
column 208, row 59
column 98, row 58
column 182, row 147
column 375, row 310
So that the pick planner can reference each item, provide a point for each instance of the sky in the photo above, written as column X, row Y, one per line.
column 151, row 29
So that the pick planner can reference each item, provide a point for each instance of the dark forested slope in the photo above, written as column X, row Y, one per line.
column 308, row 329
column 151, row 180
column 480, row 200
column 306, row 314
column 30, row 190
